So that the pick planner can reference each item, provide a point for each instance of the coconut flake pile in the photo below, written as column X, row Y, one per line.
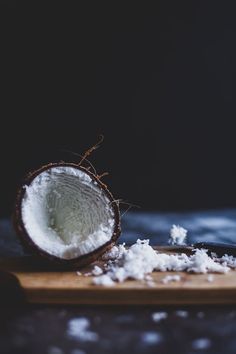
column 139, row 260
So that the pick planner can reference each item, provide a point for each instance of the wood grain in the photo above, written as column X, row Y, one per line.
column 60, row 287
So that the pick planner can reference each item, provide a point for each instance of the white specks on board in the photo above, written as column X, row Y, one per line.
column 97, row 270
column 210, row 278
column 140, row 260
column 103, row 280
column 171, row 278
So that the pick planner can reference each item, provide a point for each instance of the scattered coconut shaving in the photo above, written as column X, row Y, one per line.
column 115, row 253
column 104, row 280
column 229, row 260
column 88, row 274
column 171, row 278
column 177, row 235
column 150, row 284
column 141, row 259
column 210, row 278
column 97, row 270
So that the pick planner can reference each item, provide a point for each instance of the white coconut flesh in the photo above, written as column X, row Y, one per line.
column 66, row 214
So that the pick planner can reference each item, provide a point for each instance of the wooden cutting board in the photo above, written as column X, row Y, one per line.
column 57, row 287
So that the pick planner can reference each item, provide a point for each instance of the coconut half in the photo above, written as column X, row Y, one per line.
column 64, row 212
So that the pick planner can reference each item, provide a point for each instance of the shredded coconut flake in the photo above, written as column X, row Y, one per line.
column 202, row 263
column 171, row 278
column 138, row 261
column 210, row 278
column 115, row 252
column 177, row 235
column 150, row 284
column 103, row 280
column 88, row 274
column 97, row 270
column 229, row 260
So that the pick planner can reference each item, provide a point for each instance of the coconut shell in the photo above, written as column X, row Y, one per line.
column 27, row 241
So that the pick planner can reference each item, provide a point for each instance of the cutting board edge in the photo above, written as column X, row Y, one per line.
column 120, row 297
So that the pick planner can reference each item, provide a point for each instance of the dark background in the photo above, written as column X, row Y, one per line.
column 159, row 83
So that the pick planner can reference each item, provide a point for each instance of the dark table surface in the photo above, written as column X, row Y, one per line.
column 121, row 329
